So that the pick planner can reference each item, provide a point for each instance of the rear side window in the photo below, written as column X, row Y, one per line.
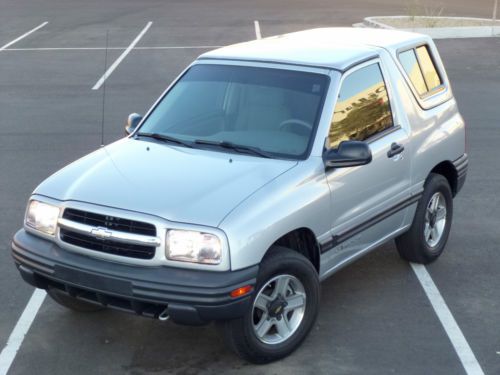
column 428, row 69
column 420, row 68
column 410, row 64
column 362, row 108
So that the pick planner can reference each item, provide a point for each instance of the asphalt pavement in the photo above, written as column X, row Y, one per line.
column 375, row 317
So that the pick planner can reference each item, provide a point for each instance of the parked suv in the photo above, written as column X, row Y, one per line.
column 263, row 169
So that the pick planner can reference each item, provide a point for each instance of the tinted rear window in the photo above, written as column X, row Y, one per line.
column 420, row 68
column 428, row 69
column 410, row 64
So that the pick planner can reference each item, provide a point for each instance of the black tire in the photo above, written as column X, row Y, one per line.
column 412, row 245
column 73, row 303
column 239, row 334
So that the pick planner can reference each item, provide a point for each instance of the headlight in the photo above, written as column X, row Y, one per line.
column 192, row 246
column 42, row 216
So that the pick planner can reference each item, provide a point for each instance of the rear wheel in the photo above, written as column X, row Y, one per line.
column 283, row 310
column 72, row 303
column 425, row 240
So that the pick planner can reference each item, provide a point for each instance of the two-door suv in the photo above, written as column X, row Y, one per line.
column 263, row 169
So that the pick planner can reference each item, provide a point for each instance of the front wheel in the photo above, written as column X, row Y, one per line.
column 283, row 311
column 425, row 240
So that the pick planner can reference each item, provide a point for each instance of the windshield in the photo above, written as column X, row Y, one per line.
column 270, row 110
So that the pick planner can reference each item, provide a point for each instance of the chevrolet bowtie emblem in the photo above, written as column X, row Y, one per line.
column 101, row 233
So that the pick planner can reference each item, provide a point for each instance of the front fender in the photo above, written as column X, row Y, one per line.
column 299, row 198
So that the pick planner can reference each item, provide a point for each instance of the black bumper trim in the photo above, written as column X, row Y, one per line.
column 191, row 296
column 344, row 236
column 461, row 165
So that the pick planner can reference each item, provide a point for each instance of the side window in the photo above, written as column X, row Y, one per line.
column 362, row 108
column 420, row 68
column 410, row 64
column 428, row 69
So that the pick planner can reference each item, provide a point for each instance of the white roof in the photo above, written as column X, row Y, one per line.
column 336, row 47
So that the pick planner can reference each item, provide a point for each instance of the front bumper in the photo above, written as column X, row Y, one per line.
column 190, row 296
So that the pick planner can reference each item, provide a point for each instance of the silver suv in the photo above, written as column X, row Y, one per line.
column 263, row 169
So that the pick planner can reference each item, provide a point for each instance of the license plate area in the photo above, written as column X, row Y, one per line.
column 93, row 281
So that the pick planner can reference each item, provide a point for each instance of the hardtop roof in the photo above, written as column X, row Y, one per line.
column 336, row 47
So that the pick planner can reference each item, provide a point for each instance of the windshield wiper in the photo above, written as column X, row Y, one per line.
column 165, row 138
column 235, row 147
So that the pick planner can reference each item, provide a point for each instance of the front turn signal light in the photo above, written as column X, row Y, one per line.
column 243, row 291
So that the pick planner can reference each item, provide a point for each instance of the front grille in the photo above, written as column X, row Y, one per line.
column 108, row 246
column 110, row 222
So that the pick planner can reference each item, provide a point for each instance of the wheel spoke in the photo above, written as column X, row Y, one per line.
column 435, row 202
column 294, row 302
column 283, row 327
column 261, row 302
column 264, row 326
column 281, row 286
column 435, row 233
column 427, row 232
column 441, row 213
column 429, row 205
column 427, row 215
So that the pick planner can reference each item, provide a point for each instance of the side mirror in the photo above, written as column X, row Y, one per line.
column 348, row 154
column 133, row 120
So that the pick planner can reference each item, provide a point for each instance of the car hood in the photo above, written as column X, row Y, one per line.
column 176, row 183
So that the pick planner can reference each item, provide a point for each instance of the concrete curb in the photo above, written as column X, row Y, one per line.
column 439, row 32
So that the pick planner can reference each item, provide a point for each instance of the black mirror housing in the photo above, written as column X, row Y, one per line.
column 348, row 154
column 132, row 121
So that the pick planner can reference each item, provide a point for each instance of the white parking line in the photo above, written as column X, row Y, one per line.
column 23, row 36
column 22, row 326
column 103, row 48
column 457, row 338
column 258, row 35
column 121, row 57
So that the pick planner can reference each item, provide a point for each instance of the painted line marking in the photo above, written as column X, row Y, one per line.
column 121, row 57
column 258, row 35
column 103, row 48
column 23, row 36
column 16, row 338
column 457, row 338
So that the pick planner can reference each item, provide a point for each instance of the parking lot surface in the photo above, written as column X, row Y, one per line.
column 375, row 318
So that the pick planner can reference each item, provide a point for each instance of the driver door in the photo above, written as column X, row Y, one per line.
column 368, row 202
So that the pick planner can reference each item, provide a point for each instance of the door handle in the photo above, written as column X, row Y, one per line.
column 396, row 148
